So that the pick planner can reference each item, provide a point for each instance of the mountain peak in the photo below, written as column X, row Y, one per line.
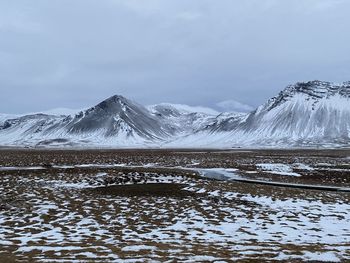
column 116, row 99
column 314, row 91
column 115, row 102
column 318, row 89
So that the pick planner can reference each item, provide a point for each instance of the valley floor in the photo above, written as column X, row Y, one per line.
column 174, row 205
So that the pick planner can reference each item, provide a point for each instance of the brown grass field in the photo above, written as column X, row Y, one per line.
column 156, row 206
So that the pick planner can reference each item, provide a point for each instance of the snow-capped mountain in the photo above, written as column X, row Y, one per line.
column 185, row 119
column 58, row 111
column 183, row 109
column 4, row 117
column 311, row 113
column 119, row 115
column 115, row 121
column 305, row 112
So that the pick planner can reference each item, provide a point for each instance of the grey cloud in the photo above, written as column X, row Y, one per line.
column 234, row 106
column 62, row 53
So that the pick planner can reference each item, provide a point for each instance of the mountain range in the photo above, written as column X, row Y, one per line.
column 305, row 114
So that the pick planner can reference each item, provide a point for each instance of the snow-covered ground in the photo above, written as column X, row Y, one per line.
column 221, row 225
column 71, row 206
column 54, row 216
column 277, row 168
column 184, row 109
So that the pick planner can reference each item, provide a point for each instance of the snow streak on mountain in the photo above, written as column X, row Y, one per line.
column 311, row 114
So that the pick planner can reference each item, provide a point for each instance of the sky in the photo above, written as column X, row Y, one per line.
column 224, row 54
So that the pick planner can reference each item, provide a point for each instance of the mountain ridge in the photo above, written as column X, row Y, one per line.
column 314, row 113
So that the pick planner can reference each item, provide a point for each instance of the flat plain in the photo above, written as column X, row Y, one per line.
column 174, row 205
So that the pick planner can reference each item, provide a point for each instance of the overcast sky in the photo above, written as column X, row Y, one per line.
column 75, row 53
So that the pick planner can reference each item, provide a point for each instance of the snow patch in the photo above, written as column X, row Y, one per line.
column 301, row 166
column 138, row 248
column 182, row 108
column 277, row 168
